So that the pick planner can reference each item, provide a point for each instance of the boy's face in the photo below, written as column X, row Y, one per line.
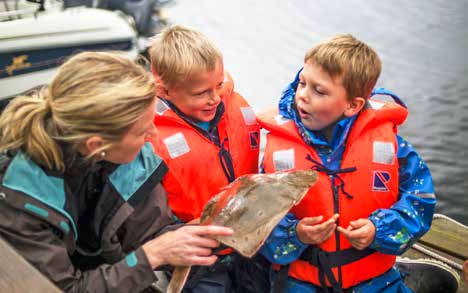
column 321, row 100
column 199, row 95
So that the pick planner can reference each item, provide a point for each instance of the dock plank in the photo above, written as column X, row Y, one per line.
column 448, row 237
column 17, row 275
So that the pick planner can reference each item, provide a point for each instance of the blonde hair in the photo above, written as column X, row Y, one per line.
column 178, row 51
column 344, row 56
column 92, row 94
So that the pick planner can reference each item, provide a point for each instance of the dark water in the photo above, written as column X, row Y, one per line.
column 423, row 46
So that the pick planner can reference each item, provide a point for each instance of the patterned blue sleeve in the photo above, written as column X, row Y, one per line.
column 398, row 227
column 282, row 246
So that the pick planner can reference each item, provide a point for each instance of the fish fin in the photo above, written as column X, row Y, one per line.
column 179, row 277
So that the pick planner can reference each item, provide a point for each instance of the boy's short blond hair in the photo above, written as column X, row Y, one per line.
column 346, row 57
column 178, row 51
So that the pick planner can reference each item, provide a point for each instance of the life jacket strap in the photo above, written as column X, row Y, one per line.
column 226, row 162
column 333, row 173
column 324, row 261
column 335, row 258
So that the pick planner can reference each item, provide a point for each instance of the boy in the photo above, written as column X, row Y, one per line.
column 206, row 133
column 374, row 197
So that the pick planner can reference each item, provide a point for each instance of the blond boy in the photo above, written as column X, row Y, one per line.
column 206, row 132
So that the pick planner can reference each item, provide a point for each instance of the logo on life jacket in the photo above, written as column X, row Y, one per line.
column 254, row 139
column 380, row 181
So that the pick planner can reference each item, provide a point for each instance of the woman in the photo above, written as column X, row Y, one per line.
column 80, row 190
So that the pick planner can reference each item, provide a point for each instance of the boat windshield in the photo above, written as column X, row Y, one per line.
column 18, row 9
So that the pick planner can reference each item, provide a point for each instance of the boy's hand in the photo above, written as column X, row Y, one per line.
column 360, row 233
column 309, row 231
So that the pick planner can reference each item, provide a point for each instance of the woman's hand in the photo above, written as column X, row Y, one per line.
column 186, row 246
column 360, row 233
column 309, row 231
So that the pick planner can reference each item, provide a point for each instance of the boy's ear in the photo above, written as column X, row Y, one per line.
column 161, row 90
column 354, row 106
column 93, row 143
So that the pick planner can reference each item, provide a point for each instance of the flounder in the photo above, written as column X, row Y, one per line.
column 252, row 206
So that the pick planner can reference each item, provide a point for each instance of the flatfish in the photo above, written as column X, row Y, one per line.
column 252, row 206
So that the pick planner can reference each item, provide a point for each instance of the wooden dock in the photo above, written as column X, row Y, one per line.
column 18, row 276
column 446, row 241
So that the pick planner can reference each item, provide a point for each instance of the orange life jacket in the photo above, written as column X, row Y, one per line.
column 195, row 170
column 371, row 149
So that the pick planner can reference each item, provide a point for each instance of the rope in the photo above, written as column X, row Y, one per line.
column 434, row 254
column 440, row 216
column 438, row 256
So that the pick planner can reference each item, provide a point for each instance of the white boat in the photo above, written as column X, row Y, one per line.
column 35, row 38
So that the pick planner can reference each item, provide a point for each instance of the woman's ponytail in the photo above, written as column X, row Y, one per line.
column 24, row 126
